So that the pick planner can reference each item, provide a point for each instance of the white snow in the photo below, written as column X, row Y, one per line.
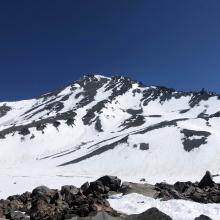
column 177, row 209
column 31, row 162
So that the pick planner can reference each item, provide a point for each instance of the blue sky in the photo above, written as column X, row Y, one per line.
column 47, row 44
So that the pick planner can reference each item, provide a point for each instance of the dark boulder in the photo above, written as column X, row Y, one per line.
column 182, row 186
column 97, row 187
column 203, row 217
column 24, row 132
column 40, row 127
column 206, row 181
column 69, row 193
column 42, row 193
column 150, row 214
column 144, row 146
column 112, row 182
column 83, row 210
column 69, row 189
column 84, row 188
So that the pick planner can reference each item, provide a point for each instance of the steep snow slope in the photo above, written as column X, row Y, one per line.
column 99, row 125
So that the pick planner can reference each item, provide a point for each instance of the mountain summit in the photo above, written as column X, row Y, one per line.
column 111, row 125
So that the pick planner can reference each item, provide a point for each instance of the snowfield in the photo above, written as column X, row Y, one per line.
column 116, row 126
column 176, row 209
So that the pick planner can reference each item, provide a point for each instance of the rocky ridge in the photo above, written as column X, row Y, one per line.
column 90, row 200
column 90, row 120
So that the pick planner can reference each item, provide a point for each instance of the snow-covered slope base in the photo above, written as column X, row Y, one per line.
column 99, row 125
column 176, row 209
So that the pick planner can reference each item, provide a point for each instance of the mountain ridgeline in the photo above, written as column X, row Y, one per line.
column 97, row 120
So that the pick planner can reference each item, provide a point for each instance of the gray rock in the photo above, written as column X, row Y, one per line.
column 144, row 189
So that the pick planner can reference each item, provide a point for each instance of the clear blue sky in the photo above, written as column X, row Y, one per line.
column 45, row 44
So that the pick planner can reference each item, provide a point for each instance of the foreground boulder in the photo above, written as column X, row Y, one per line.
column 203, row 217
column 150, row 214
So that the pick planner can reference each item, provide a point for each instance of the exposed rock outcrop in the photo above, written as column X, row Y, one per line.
column 90, row 200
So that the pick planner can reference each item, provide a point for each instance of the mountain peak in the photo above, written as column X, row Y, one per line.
column 96, row 118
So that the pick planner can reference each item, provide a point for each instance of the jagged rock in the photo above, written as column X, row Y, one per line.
column 69, row 193
column 25, row 197
column 97, row 187
column 112, row 182
column 84, row 188
column 57, row 197
column 167, row 191
column 16, row 205
column 42, row 192
column 206, row 181
column 182, row 186
column 42, row 210
column 203, row 217
column 190, row 190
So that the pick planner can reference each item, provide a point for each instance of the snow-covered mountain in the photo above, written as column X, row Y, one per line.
column 99, row 125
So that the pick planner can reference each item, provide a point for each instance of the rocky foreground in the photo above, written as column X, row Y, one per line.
column 90, row 200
